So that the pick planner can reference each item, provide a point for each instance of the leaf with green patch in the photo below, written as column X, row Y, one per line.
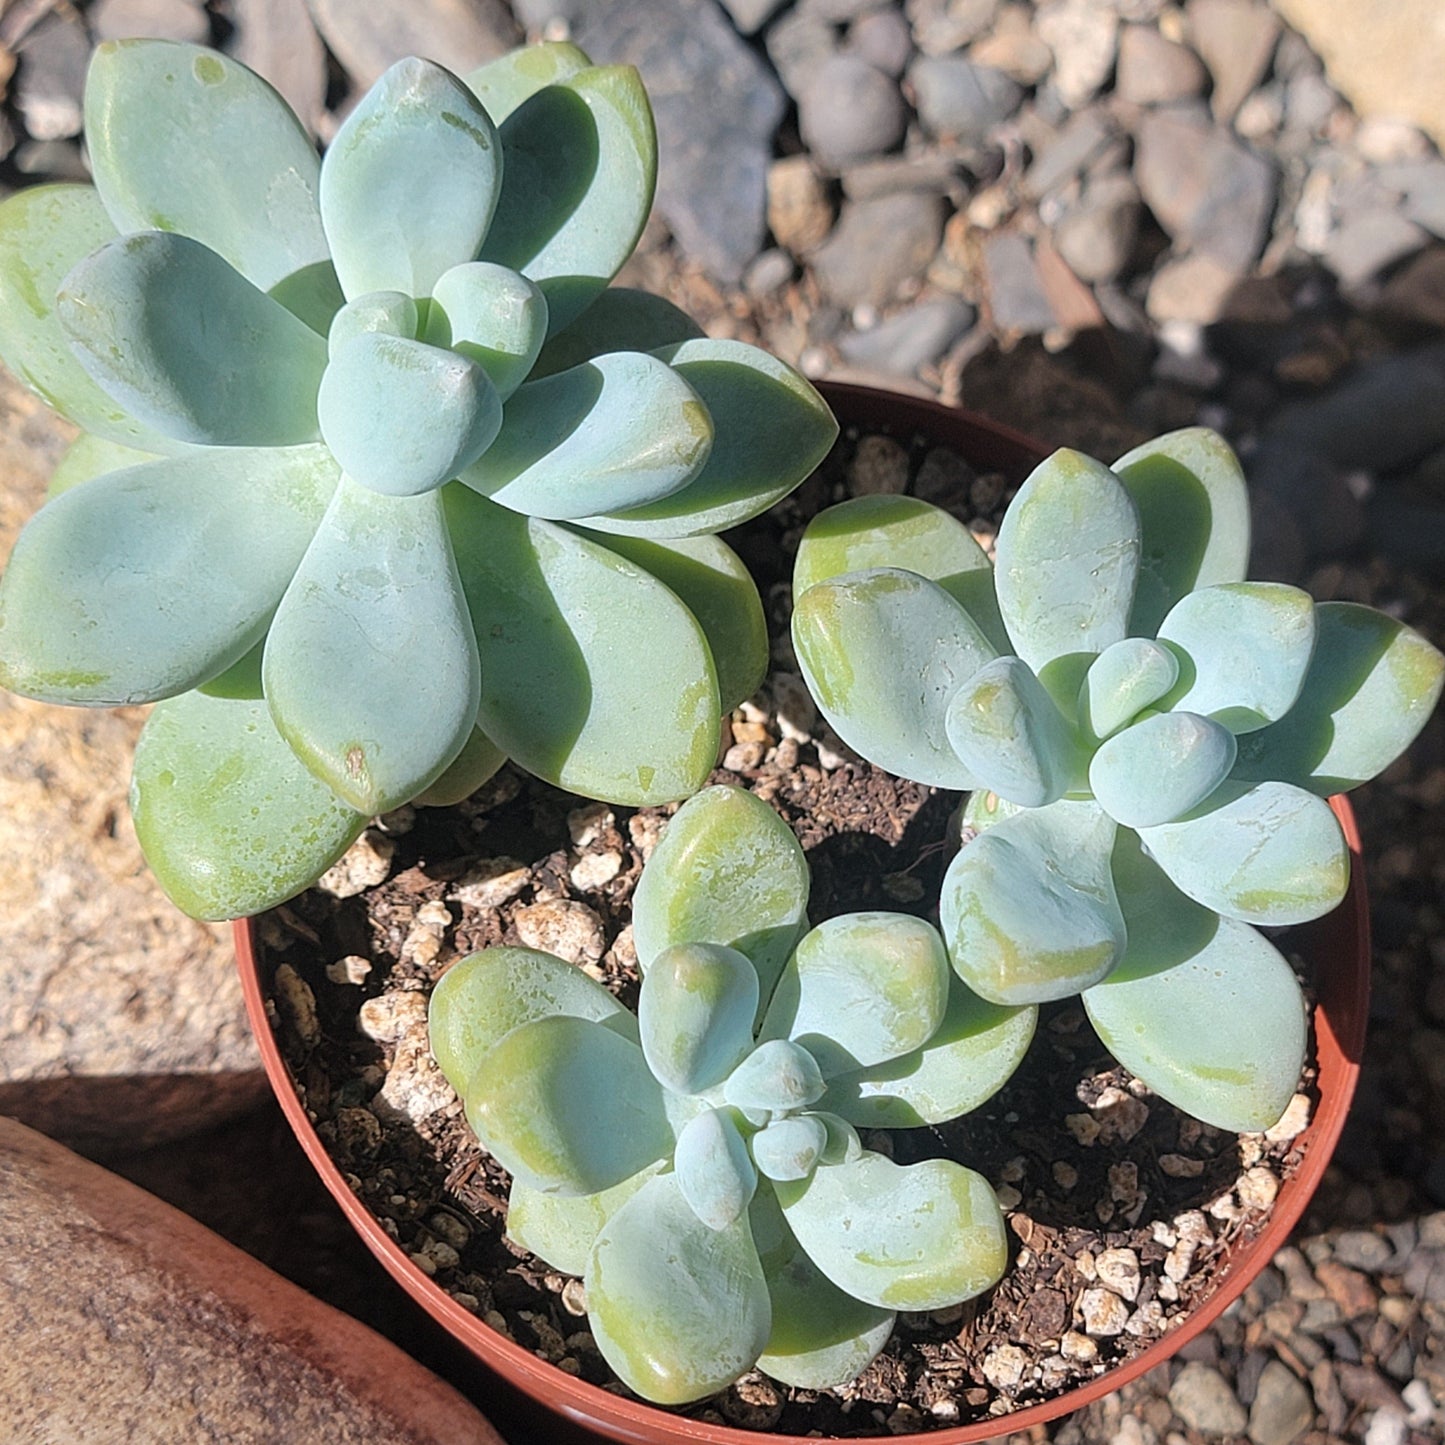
column 695, row 1014
column 790, row 1147
column 185, row 139
column 1124, row 679
column 384, row 313
column 147, row 582
column 778, row 1077
column 560, row 1229
column 89, row 457
column 715, row 1172
column 1160, row 768
column 504, row 83
column 621, row 318
column 371, row 666
column 228, row 818
column 493, row 317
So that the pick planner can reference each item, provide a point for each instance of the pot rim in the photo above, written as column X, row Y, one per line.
column 1340, row 943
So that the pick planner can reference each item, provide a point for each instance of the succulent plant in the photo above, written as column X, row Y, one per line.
column 698, row 1163
column 1150, row 740
column 379, row 483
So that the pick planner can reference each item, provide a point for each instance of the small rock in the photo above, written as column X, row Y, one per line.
column 415, row 1087
column 54, row 57
column 1153, row 70
column 1191, row 1230
column 749, row 16
column 879, row 467
column 799, row 213
column 914, row 337
column 768, row 273
column 1235, row 39
column 389, row 1016
column 959, row 100
column 849, row 110
column 149, row 19
column 1180, row 1166
column 277, row 39
column 1257, row 1188
column 353, row 969
column 883, row 39
column 797, row 43
column 878, row 246
column 1190, row 288
column 1385, row 139
column 1015, row 47
column 1368, row 242
column 1102, row 1313
column 1078, row 141
column 1118, row 1270
column 569, row 929
column 1121, row 1116
column 461, row 34
column 1079, row 1348
column 941, row 26
column 1083, row 36
column 1363, row 1249
column 1282, row 1409
column 1017, row 299
column 491, row 882
column 1387, row 1427
column 595, row 870
column 1004, row 1367
column 1203, row 1399
column 366, row 864
column 297, row 1005
column 1422, row 183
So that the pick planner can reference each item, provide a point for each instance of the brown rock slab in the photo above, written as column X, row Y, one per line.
column 150, row 1327
column 121, row 1023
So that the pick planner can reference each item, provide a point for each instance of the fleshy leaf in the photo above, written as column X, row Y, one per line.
column 229, row 820
column 385, row 313
column 1124, row 679
column 493, row 317
column 714, row 1170
column 778, row 1076
column 1268, row 854
column 1193, row 516
column 371, row 666
column 614, row 432
column 1244, row 649
column 1160, row 768
column 677, row 1309
column 185, row 139
column 503, row 84
column 1008, row 732
column 479, row 759
column 970, row 1057
column 148, row 581
column 728, row 870
column 189, row 346
column 896, row 531
column 1028, row 907
column 410, row 183
column 44, row 232
column 567, row 691
column 860, row 989
column 312, row 295
column 89, row 457
column 1371, row 686
column 1066, row 560
column 882, row 652
column 481, row 998
column 914, row 1237
column 790, row 1148
column 620, row 319
column 695, row 1013
column 720, row 592
column 820, row 1337
column 581, row 165
column 561, row 1228
column 567, row 1104
column 770, row 429
column 403, row 417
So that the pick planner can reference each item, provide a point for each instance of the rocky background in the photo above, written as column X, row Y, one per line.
column 1091, row 219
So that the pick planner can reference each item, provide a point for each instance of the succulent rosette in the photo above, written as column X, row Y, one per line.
column 1149, row 739
column 698, row 1163
column 379, row 482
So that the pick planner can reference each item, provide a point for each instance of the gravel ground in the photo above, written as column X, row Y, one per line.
column 1093, row 220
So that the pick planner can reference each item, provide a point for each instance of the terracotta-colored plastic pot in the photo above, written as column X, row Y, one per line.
column 1338, row 948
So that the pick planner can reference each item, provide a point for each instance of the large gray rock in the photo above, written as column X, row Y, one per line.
column 877, row 246
column 125, row 1320
column 1206, row 1402
column 849, row 110
column 1283, row 1408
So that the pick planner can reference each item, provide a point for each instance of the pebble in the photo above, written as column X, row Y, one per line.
column 878, row 247
column 880, row 467
column 1369, row 241
column 749, row 16
column 277, row 39
column 912, row 338
column 368, row 38
column 1077, row 142
column 850, row 110
column 54, row 57
column 1004, row 1367
column 883, row 39
column 797, row 43
column 1153, row 70
column 389, row 1016
column 1236, row 40
column 364, row 865
column 183, row 20
column 959, row 100
column 1205, row 1401
column 940, row 26
column 1118, row 1270
column 1017, row 299
column 1015, row 47
column 799, row 213
column 491, row 883
column 1102, row 1313
column 768, row 273
column 1282, row 1409
column 1083, row 36
column 567, row 928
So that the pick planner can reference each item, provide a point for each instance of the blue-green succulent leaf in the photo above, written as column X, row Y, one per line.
column 479, row 759
column 481, row 998
column 185, row 139
column 618, row 431
column 567, row 1105
column 911, row 1237
column 191, row 347
column 89, row 457
column 969, row 1058
column 312, row 295
column 44, row 232
column 861, row 989
column 778, row 1076
column 1243, row 649
column 677, row 1309
column 728, row 870
column 371, row 666
column 504, row 83
column 409, row 185
column 581, row 166
column 561, row 1228
column 695, row 1012
column 1269, row 854
column 146, row 582
column 714, row 1169
column 719, row 591
column 1194, row 517
column 896, row 531
column 620, row 319
column 1371, row 685
column 1160, row 768
column 1028, row 908
column 821, row 1336
column 1066, row 560
column 790, row 1148
column 1010, row 735
column 1124, row 679
column 403, row 417
column 567, row 690
column 770, row 429
column 387, row 313
column 883, row 651
column 229, row 820
column 493, row 317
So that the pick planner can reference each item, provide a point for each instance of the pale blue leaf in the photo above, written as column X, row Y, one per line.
column 695, row 1014
column 371, row 666
column 621, row 318
column 778, row 1076
column 493, row 317
column 790, row 1148
column 88, row 457
column 189, row 346
column 312, row 295
column 714, row 1170
column 185, row 139
column 388, row 313
column 146, row 582
column 503, row 84
column 1161, row 767
column 410, row 183
column 1124, row 679
column 560, row 1228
